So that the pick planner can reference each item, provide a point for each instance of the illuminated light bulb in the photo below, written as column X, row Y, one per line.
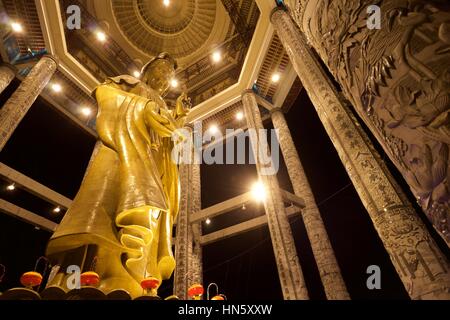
column 174, row 83
column 208, row 221
column 258, row 191
column 166, row 3
column 101, row 36
column 57, row 210
column 276, row 77
column 56, row 87
column 239, row 116
column 16, row 27
column 213, row 129
column 86, row 111
column 11, row 187
column 136, row 74
column 216, row 56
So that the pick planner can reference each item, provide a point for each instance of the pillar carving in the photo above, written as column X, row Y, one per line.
column 188, row 251
column 398, row 79
column 289, row 270
column 21, row 100
column 423, row 269
column 7, row 74
column 329, row 270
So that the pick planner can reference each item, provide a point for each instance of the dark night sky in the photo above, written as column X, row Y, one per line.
column 52, row 150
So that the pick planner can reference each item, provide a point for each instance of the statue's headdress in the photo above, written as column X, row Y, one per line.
column 163, row 55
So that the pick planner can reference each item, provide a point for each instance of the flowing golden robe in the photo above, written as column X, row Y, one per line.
column 128, row 199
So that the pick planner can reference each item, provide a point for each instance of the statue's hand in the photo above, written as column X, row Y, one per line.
column 183, row 104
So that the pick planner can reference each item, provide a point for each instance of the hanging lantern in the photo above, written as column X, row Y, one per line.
column 217, row 296
column 150, row 283
column 195, row 291
column 89, row 278
column 31, row 279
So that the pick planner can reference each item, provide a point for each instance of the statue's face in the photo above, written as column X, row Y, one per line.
column 159, row 74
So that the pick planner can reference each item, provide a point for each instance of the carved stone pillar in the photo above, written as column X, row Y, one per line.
column 398, row 79
column 423, row 269
column 197, row 261
column 289, row 270
column 7, row 74
column 188, row 252
column 326, row 262
column 21, row 100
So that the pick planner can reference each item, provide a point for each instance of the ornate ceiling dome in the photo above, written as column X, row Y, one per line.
column 180, row 28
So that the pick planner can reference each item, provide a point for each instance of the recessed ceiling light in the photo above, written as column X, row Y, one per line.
column 166, row 3
column 216, row 56
column 259, row 191
column 101, row 36
column 57, row 210
column 240, row 115
column 11, row 187
column 213, row 129
column 174, row 83
column 86, row 111
column 56, row 87
column 276, row 77
column 136, row 74
column 208, row 221
column 16, row 27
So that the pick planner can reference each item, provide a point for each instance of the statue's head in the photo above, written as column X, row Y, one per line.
column 159, row 71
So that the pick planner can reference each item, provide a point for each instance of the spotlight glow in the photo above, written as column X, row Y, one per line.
column 101, row 36
column 136, row 74
column 174, row 83
column 216, row 56
column 208, row 221
column 56, row 87
column 213, row 129
column 276, row 77
column 57, row 210
column 16, row 27
column 166, row 3
column 239, row 115
column 86, row 111
column 11, row 187
column 258, row 191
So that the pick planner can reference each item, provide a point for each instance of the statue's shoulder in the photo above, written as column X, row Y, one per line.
column 124, row 82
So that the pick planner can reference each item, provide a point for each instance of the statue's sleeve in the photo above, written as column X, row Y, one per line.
column 160, row 121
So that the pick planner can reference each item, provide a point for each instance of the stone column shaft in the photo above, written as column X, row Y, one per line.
column 188, row 251
column 423, row 269
column 289, row 270
column 329, row 270
column 397, row 77
column 21, row 100
column 7, row 74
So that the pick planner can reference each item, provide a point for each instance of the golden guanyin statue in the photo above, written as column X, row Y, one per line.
column 125, row 208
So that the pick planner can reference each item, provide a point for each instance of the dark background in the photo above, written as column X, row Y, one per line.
column 54, row 151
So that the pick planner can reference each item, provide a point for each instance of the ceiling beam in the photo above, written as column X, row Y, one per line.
column 241, row 228
column 221, row 208
column 34, row 187
column 27, row 216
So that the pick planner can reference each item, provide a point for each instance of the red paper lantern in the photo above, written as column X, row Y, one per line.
column 31, row 279
column 195, row 291
column 89, row 278
column 150, row 283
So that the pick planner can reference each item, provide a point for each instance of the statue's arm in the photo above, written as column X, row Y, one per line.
column 159, row 120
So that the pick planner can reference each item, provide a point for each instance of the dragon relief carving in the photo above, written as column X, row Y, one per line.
column 398, row 80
